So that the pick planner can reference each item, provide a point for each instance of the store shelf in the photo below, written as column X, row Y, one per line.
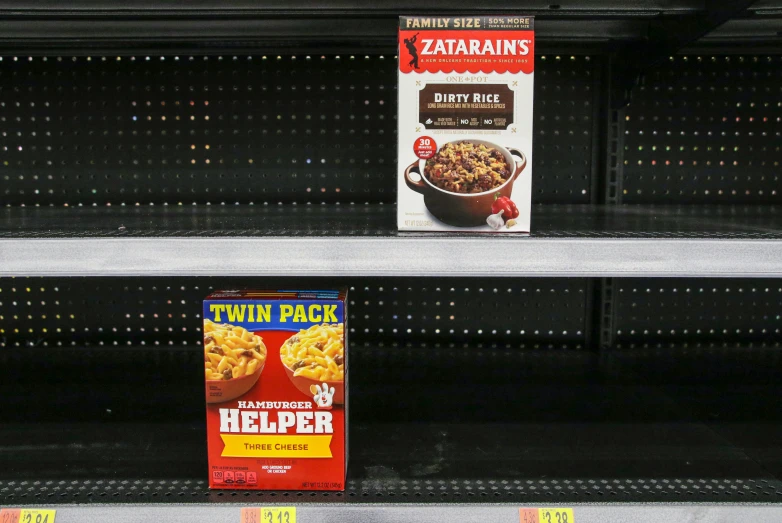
column 282, row 24
column 314, row 240
column 641, row 33
column 758, row 34
column 383, row 513
column 108, row 7
column 759, row 28
column 737, row 222
column 475, row 390
column 553, row 427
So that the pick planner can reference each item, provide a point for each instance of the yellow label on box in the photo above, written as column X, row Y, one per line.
column 269, row 515
column 241, row 446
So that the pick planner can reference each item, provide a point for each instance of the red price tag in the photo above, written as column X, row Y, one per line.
column 251, row 515
column 528, row 515
column 424, row 147
column 9, row 515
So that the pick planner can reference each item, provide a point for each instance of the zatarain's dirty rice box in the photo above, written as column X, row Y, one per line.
column 465, row 123
column 275, row 368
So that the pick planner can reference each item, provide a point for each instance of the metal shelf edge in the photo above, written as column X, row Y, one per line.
column 593, row 513
column 391, row 256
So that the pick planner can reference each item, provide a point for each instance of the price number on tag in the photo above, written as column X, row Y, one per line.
column 556, row 515
column 546, row 515
column 37, row 516
column 267, row 515
column 278, row 515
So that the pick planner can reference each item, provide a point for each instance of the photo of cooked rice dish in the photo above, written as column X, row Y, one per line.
column 464, row 167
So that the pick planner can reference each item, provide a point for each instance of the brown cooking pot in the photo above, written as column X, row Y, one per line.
column 464, row 210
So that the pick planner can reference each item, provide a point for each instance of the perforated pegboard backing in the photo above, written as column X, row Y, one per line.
column 566, row 94
column 426, row 424
column 706, row 129
column 214, row 129
column 673, row 310
column 166, row 311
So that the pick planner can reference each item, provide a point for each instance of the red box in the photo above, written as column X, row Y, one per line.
column 275, row 369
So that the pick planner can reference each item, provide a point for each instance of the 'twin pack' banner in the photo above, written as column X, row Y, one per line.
column 291, row 315
column 476, row 45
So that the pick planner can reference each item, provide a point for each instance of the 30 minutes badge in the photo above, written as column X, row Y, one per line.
column 424, row 147
column 546, row 515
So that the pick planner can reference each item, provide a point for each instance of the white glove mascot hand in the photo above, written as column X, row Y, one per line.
column 323, row 396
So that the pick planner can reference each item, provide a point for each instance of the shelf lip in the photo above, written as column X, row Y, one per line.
column 455, row 256
column 425, row 513
column 64, row 8
column 300, row 25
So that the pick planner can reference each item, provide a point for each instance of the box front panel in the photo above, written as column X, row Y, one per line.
column 275, row 392
column 465, row 124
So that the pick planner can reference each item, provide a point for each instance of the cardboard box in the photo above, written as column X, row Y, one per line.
column 276, row 389
column 465, row 123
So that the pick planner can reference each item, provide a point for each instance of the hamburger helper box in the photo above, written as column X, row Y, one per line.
column 465, row 123
column 275, row 369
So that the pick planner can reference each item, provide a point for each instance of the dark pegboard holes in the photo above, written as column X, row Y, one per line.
column 165, row 312
column 241, row 129
column 244, row 129
column 697, row 310
column 706, row 129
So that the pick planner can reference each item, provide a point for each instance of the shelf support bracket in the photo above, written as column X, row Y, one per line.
column 665, row 37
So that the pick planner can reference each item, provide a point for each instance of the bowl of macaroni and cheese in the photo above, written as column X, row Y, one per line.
column 315, row 356
column 462, row 180
column 233, row 360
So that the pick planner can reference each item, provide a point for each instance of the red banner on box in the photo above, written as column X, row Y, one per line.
column 466, row 51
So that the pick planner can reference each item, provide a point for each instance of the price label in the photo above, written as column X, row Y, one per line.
column 556, row 515
column 267, row 515
column 27, row 515
column 546, row 515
